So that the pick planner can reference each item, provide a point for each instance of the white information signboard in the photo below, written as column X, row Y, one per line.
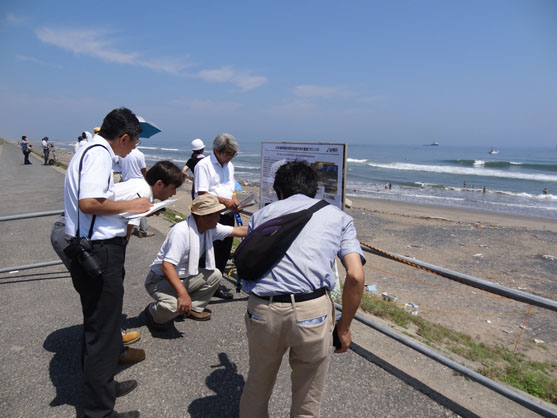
column 329, row 160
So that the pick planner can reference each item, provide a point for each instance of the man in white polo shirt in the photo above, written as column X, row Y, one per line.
column 175, row 280
column 160, row 182
column 215, row 175
column 92, row 213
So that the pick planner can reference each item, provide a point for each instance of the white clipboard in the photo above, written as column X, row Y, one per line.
column 155, row 208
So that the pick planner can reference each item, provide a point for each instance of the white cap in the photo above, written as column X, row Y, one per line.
column 197, row 144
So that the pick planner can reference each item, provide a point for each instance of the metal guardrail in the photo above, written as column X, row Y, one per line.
column 415, row 345
column 30, row 266
column 468, row 280
column 31, row 215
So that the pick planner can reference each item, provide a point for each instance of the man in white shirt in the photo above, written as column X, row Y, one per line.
column 215, row 175
column 160, row 182
column 92, row 215
column 133, row 167
column 175, row 280
column 46, row 150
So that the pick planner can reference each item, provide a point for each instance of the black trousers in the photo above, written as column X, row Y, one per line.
column 101, row 302
column 46, row 152
column 222, row 248
column 26, row 157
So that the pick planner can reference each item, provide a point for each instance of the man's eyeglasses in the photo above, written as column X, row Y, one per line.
column 228, row 153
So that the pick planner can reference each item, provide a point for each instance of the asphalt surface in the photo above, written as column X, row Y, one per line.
column 195, row 370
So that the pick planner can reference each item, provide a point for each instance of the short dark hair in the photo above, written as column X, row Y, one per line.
column 23, row 137
column 119, row 122
column 167, row 172
column 295, row 177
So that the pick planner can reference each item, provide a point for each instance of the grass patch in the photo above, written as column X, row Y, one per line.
column 2, row 141
column 173, row 216
column 535, row 378
column 59, row 164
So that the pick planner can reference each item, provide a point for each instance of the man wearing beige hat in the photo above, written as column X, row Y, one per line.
column 175, row 280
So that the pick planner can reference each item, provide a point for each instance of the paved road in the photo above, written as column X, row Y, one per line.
column 196, row 370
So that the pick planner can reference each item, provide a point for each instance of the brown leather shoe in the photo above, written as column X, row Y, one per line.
column 130, row 337
column 131, row 356
column 145, row 234
column 199, row 316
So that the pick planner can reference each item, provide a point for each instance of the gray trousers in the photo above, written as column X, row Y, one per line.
column 59, row 240
column 200, row 288
column 143, row 224
column 304, row 329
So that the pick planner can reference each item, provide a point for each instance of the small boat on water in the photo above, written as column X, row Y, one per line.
column 493, row 151
column 434, row 144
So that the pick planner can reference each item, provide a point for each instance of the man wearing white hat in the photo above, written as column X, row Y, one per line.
column 197, row 148
column 175, row 280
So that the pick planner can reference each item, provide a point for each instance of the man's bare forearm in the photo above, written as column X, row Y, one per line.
column 353, row 290
column 172, row 276
column 104, row 207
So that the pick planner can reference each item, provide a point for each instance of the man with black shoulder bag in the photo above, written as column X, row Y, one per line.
column 289, row 305
column 97, row 251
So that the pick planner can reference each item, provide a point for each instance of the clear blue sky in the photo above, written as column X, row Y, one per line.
column 461, row 72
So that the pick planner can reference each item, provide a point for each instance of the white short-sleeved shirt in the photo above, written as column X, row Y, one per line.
column 131, row 165
column 175, row 248
column 45, row 143
column 96, row 182
column 133, row 189
column 210, row 176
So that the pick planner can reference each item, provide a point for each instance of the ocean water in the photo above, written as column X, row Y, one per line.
column 514, row 179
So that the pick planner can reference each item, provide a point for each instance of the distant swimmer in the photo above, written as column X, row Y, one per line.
column 390, row 186
column 422, row 186
column 484, row 189
column 545, row 191
column 464, row 185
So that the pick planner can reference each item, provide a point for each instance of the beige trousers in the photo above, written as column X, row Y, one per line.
column 272, row 328
column 200, row 288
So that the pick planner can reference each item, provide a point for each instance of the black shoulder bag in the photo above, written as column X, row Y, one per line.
column 268, row 243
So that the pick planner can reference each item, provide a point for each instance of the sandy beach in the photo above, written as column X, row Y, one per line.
column 514, row 251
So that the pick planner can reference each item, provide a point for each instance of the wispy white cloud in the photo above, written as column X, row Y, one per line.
column 12, row 19
column 100, row 44
column 314, row 101
column 311, row 91
column 97, row 44
column 244, row 80
column 37, row 61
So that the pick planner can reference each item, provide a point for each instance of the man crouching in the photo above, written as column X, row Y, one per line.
column 175, row 281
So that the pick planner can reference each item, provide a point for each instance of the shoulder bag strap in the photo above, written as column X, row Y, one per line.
column 79, row 188
column 319, row 205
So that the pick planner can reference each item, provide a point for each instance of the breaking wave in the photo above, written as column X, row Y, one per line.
column 467, row 171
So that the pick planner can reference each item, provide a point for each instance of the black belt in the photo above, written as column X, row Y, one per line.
column 298, row 297
column 110, row 241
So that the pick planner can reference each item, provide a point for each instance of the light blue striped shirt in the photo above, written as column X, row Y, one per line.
column 308, row 263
